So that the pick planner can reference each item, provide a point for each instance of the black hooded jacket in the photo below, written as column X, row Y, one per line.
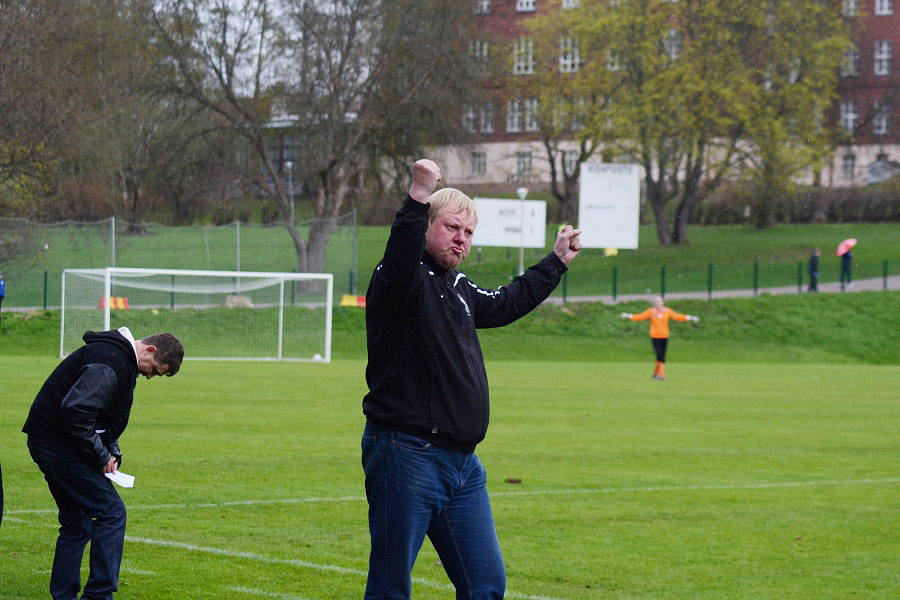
column 87, row 399
column 426, row 373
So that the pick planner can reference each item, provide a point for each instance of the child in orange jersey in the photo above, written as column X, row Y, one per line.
column 659, row 316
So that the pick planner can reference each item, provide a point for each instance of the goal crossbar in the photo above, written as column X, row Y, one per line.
column 236, row 306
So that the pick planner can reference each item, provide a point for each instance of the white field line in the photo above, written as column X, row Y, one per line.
column 270, row 560
column 136, row 571
column 701, row 488
column 564, row 491
column 293, row 562
column 252, row 592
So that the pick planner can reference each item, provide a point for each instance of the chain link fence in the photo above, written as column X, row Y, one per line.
column 33, row 255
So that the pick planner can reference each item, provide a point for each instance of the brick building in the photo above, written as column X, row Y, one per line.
column 869, row 96
column 507, row 152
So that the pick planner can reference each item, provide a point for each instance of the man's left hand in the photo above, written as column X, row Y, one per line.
column 567, row 244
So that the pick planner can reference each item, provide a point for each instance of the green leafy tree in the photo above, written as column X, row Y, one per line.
column 677, row 87
column 792, row 51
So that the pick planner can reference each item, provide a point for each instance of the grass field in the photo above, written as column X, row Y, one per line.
column 763, row 480
column 765, row 467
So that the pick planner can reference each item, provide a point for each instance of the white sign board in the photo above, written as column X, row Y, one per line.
column 609, row 205
column 511, row 223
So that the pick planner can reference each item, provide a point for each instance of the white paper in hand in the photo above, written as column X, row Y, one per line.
column 122, row 479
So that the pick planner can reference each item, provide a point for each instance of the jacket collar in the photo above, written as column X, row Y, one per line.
column 435, row 268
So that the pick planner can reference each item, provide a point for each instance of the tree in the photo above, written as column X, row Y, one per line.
column 359, row 80
column 794, row 51
column 675, row 87
column 39, row 97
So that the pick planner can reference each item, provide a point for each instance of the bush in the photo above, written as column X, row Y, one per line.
column 873, row 204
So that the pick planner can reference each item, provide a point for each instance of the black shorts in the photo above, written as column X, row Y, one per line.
column 659, row 346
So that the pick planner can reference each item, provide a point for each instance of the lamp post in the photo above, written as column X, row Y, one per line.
column 522, row 192
column 290, row 165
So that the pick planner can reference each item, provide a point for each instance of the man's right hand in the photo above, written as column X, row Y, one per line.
column 111, row 466
column 426, row 175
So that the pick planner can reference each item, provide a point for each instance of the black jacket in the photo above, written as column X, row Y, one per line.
column 87, row 399
column 426, row 373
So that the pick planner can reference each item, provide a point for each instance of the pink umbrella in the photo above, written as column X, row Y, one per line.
column 844, row 247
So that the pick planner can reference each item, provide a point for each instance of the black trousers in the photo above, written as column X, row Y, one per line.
column 90, row 510
column 659, row 346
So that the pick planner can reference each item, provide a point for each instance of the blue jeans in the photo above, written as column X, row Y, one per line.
column 90, row 510
column 416, row 489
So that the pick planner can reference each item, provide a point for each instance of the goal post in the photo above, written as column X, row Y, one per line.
column 218, row 315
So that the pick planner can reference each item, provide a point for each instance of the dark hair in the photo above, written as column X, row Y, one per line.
column 169, row 350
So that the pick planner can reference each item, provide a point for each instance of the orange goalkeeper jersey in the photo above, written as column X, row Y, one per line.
column 659, row 320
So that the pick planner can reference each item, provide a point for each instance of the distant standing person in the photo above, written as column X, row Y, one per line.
column 814, row 270
column 73, row 432
column 846, row 269
column 2, row 296
column 2, row 293
column 659, row 316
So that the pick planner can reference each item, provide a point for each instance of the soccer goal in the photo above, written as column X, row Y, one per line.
column 218, row 315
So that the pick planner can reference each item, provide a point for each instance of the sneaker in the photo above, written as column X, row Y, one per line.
column 658, row 377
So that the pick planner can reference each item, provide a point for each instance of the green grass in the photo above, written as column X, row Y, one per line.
column 743, row 480
column 731, row 250
column 810, row 328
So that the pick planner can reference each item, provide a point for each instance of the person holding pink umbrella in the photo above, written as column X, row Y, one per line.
column 843, row 250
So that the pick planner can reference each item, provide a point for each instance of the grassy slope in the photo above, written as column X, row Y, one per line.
column 824, row 328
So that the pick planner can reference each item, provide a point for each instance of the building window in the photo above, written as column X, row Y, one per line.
column 613, row 63
column 526, row 5
column 532, row 114
column 881, row 118
column 570, row 3
column 884, row 7
column 769, row 78
column 514, row 116
column 469, row 119
column 672, row 44
column 523, row 164
column 848, row 167
column 569, row 57
column 570, row 161
column 479, row 51
column 523, row 56
column 850, row 8
column 486, row 120
column 578, row 114
column 848, row 116
column 479, row 164
column 289, row 147
column 482, row 7
column 850, row 64
column 883, row 57
column 794, row 71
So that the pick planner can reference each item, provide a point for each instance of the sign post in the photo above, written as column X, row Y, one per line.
column 510, row 223
column 522, row 192
column 609, row 205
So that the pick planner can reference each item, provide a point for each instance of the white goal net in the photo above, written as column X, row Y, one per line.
column 218, row 315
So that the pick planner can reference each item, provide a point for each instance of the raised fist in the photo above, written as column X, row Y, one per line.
column 426, row 176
